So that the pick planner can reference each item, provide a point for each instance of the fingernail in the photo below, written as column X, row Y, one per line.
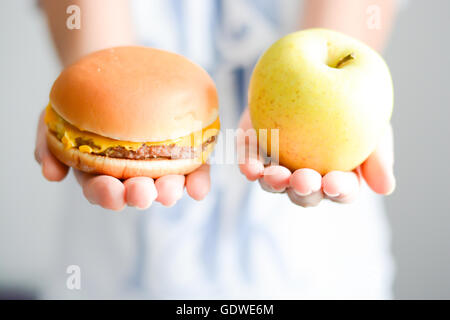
column 301, row 194
column 43, row 169
column 132, row 205
column 37, row 156
column 118, row 209
column 91, row 201
column 280, row 190
column 331, row 195
column 394, row 184
column 169, row 205
column 141, row 208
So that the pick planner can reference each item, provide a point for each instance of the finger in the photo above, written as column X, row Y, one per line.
column 305, row 182
column 305, row 187
column 378, row 169
column 275, row 178
column 52, row 169
column 105, row 191
column 249, row 160
column 342, row 187
column 140, row 192
column 250, row 163
column 198, row 183
column 245, row 122
column 252, row 167
column 170, row 189
column 311, row 200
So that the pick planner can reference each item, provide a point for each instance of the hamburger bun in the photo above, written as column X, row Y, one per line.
column 133, row 96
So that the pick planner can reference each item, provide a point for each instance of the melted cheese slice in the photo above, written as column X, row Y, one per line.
column 68, row 135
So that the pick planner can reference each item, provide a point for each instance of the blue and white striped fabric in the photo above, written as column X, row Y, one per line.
column 240, row 242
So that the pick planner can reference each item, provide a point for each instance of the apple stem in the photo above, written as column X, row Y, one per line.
column 345, row 59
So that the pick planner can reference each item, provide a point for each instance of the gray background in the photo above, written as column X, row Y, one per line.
column 419, row 211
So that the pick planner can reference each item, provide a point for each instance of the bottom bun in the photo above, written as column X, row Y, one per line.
column 123, row 168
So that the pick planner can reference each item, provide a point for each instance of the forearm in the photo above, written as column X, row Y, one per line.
column 367, row 20
column 104, row 23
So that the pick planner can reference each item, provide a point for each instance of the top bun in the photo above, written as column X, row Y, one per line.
column 135, row 94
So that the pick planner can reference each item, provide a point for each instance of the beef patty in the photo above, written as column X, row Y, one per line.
column 146, row 152
column 150, row 152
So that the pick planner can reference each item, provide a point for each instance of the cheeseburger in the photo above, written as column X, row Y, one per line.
column 133, row 111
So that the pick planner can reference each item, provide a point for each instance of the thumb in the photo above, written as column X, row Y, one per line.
column 249, row 161
column 378, row 169
column 52, row 169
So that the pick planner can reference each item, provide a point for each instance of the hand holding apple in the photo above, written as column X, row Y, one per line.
column 331, row 97
column 306, row 187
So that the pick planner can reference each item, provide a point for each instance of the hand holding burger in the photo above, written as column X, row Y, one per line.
column 131, row 113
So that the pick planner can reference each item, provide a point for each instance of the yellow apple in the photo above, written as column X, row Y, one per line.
column 330, row 96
